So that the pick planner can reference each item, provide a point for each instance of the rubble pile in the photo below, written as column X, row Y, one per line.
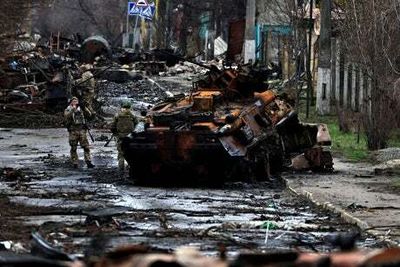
column 142, row 90
column 44, row 254
column 33, row 86
column 17, row 117
column 188, row 68
column 40, row 80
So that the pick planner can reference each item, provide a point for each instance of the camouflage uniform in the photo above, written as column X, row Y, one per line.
column 75, row 122
column 123, row 124
column 87, row 85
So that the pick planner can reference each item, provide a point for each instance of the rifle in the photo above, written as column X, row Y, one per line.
column 83, row 109
column 109, row 140
column 88, row 130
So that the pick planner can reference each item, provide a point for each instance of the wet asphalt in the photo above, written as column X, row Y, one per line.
column 88, row 202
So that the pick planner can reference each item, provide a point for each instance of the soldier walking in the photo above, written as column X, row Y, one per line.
column 76, row 124
column 86, row 85
column 123, row 124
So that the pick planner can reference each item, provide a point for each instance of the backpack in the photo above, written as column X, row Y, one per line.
column 125, row 123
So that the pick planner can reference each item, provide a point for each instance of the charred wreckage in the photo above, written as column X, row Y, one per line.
column 230, row 127
column 39, row 77
column 44, row 254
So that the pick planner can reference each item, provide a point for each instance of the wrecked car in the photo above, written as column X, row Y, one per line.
column 227, row 129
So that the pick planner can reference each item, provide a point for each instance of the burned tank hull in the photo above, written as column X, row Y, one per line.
column 190, row 158
column 224, row 131
column 163, row 156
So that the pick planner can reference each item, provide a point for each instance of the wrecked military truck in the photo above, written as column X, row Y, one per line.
column 230, row 128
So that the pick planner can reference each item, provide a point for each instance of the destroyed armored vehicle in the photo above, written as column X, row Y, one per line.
column 230, row 127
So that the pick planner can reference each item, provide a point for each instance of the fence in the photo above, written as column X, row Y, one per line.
column 350, row 85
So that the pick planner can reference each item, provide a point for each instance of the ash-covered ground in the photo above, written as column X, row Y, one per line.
column 40, row 191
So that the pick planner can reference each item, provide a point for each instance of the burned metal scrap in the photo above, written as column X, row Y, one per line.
column 42, row 75
column 228, row 128
column 36, row 78
column 44, row 254
column 151, row 62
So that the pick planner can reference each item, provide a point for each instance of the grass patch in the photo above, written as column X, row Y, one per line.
column 346, row 144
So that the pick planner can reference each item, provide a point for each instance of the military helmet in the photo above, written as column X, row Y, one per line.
column 126, row 104
column 74, row 98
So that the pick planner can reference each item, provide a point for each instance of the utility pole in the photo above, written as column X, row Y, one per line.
column 309, row 74
column 127, row 18
column 126, row 35
column 324, row 62
column 250, row 40
column 168, row 23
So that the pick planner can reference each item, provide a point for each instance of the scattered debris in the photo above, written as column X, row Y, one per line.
column 139, row 255
column 120, row 75
column 10, row 174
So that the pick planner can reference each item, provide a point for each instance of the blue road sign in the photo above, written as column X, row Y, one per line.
column 133, row 9
column 146, row 12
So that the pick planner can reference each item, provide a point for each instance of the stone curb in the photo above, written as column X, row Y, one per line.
column 347, row 217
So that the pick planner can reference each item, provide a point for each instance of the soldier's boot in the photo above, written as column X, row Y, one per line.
column 89, row 164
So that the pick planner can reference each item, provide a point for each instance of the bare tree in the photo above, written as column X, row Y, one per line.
column 14, row 16
column 370, row 34
column 87, row 17
column 293, row 13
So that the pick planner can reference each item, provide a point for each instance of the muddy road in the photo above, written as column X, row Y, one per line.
column 40, row 191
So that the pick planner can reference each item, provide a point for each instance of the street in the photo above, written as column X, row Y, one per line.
column 184, row 133
column 72, row 206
